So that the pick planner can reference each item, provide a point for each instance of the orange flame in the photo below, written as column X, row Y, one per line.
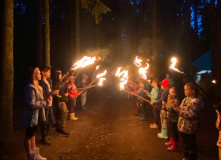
column 101, row 74
column 85, row 61
column 214, row 81
column 143, row 71
column 97, row 67
column 137, row 61
column 174, row 60
column 123, row 76
column 101, row 81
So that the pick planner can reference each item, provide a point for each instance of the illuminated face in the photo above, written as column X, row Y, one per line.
column 141, row 84
column 154, row 83
column 167, row 76
column 60, row 74
column 189, row 92
column 47, row 74
column 37, row 74
column 172, row 93
column 83, row 81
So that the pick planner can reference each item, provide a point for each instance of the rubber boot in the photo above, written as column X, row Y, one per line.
column 170, row 143
column 173, row 147
column 163, row 134
column 44, row 132
column 37, row 154
column 72, row 116
column 31, row 156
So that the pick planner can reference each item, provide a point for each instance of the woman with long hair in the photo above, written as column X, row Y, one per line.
column 34, row 100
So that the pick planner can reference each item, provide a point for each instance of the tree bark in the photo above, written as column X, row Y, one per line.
column 7, row 71
column 71, row 21
column 47, row 34
column 218, row 55
column 213, row 37
column 77, row 29
column 39, row 35
column 154, row 40
column 187, row 38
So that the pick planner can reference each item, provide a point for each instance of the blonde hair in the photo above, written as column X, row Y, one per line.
column 36, row 83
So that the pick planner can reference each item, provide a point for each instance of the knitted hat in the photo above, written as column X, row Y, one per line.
column 165, row 83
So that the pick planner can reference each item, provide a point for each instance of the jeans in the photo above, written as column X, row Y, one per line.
column 71, row 105
column 156, row 115
column 83, row 99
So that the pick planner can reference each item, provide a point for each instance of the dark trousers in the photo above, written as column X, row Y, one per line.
column 174, row 131
column 156, row 116
column 71, row 105
column 190, row 146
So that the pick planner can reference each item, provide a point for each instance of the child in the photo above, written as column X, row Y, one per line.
column 188, row 120
column 60, row 103
column 84, row 93
column 173, row 119
column 154, row 96
column 34, row 101
column 73, row 93
column 141, row 103
column 163, row 113
column 46, row 84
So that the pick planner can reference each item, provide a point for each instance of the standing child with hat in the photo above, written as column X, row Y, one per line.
column 73, row 93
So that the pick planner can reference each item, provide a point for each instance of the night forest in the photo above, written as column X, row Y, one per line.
column 59, row 32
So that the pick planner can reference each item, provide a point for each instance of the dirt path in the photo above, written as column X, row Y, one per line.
column 109, row 130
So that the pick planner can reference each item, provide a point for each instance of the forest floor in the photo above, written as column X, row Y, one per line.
column 109, row 130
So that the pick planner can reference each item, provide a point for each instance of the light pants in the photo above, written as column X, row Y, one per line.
column 163, row 119
column 62, row 112
column 83, row 99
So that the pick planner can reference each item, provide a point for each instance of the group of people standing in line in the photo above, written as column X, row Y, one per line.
column 40, row 94
column 171, row 116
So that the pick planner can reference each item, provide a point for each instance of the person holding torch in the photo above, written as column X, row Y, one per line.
column 188, row 120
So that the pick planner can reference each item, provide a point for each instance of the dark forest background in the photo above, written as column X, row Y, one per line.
column 116, row 30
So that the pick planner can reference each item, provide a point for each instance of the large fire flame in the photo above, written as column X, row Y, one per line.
column 143, row 71
column 85, row 61
column 137, row 61
column 101, row 74
column 174, row 60
column 123, row 77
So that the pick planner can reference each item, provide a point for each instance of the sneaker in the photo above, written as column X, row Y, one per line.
column 84, row 108
column 154, row 126
column 63, row 133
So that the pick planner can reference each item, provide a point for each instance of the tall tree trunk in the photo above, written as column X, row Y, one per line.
column 218, row 55
column 77, row 28
column 47, row 33
column 72, row 29
column 39, row 35
column 154, row 40
column 7, row 71
column 187, row 38
column 213, row 37
column 97, row 35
